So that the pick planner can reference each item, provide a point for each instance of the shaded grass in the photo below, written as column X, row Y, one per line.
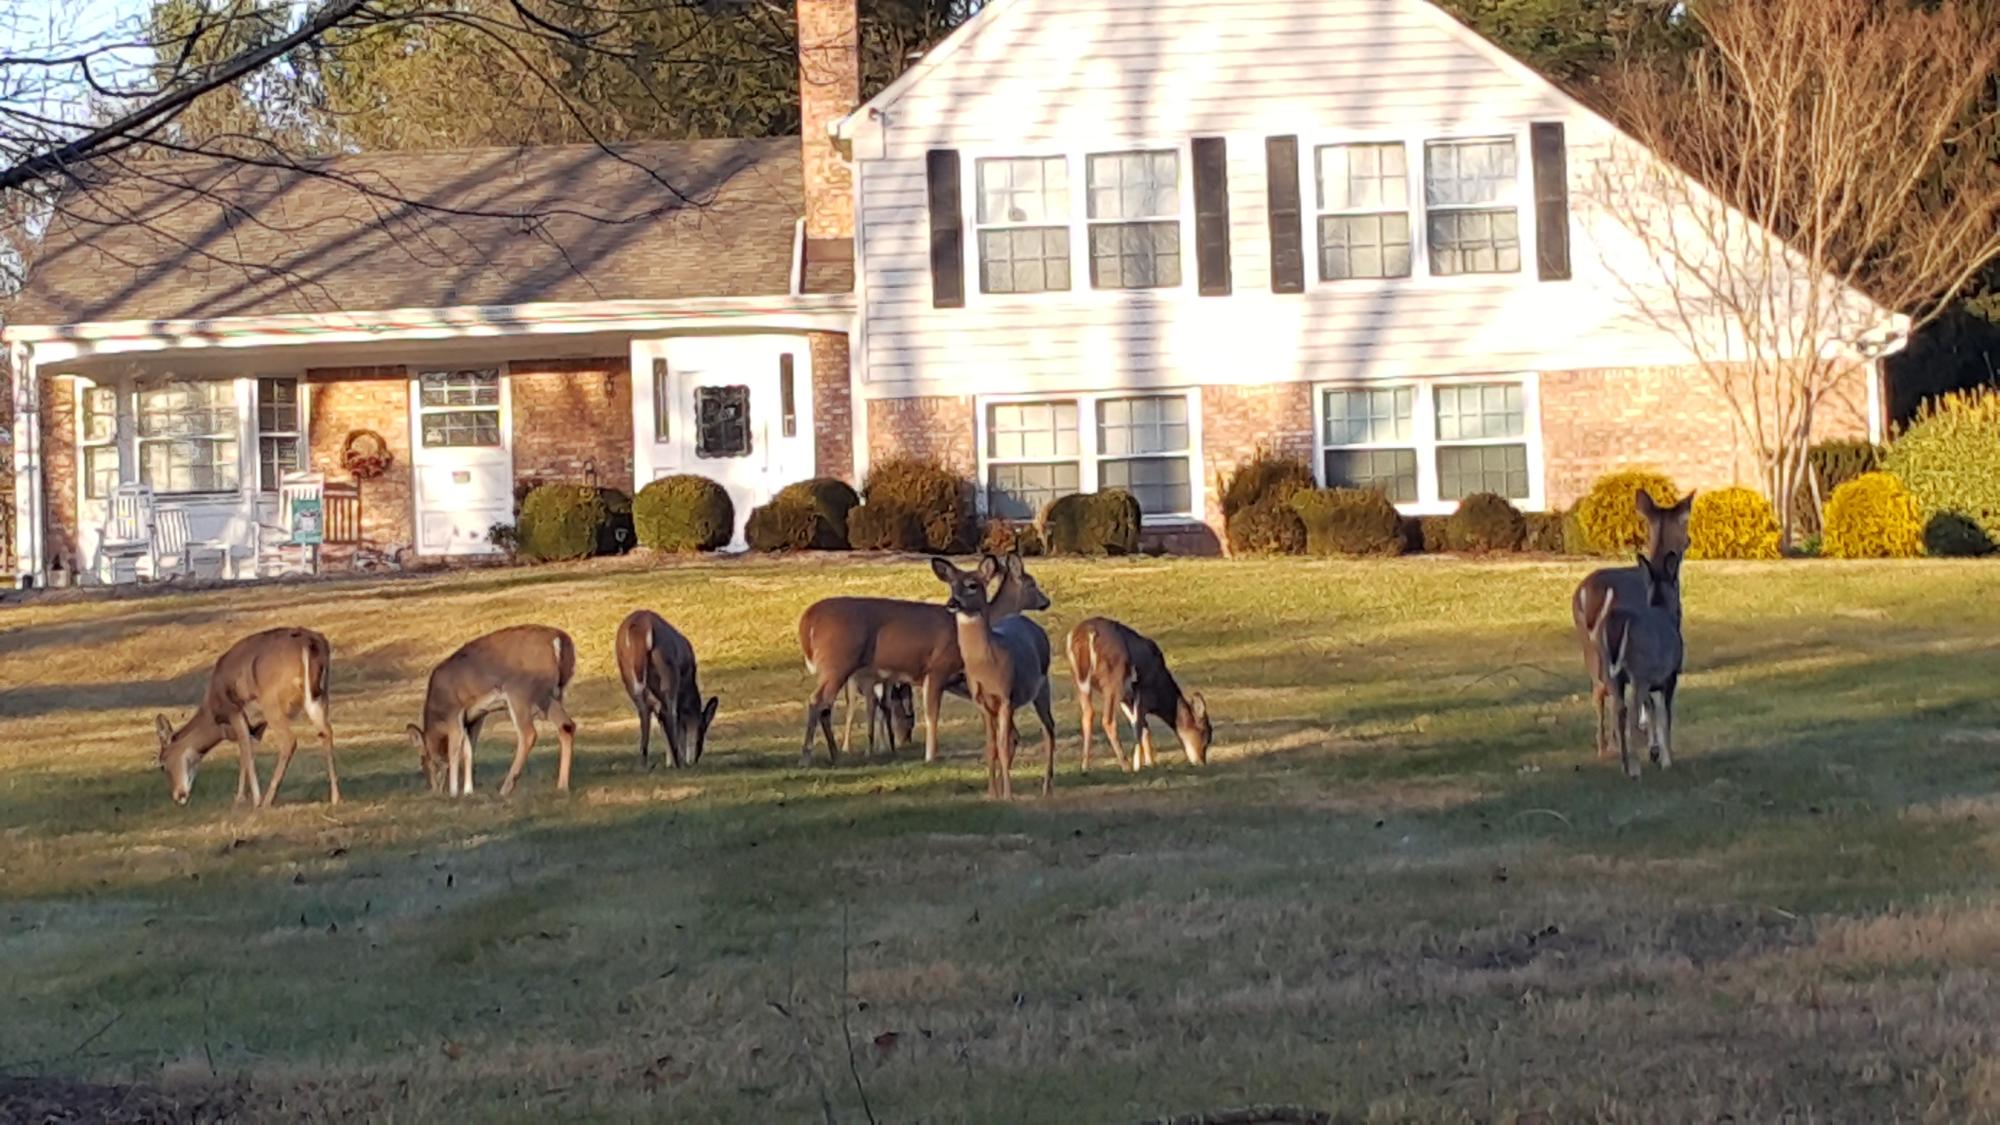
column 1402, row 890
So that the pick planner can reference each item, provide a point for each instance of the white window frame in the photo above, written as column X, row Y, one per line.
column 266, row 488
column 1088, row 454
column 499, row 407
column 236, row 434
column 1413, row 142
column 1424, row 439
column 1066, row 220
column 1321, row 211
column 1179, row 219
column 86, row 445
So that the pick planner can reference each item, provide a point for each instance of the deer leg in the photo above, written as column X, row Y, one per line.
column 1083, row 702
column 246, row 746
column 991, row 750
column 566, row 742
column 645, row 709
column 933, row 701
column 1008, row 738
column 288, row 744
column 1663, row 722
column 819, row 711
column 523, row 715
column 847, row 695
column 1115, row 705
column 1628, row 727
column 324, row 729
column 1046, row 714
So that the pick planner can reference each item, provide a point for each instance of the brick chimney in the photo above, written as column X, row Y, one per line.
column 829, row 89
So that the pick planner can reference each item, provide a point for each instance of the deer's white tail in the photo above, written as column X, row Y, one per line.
column 313, row 682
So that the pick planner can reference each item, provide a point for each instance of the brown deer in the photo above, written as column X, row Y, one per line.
column 656, row 664
column 1666, row 534
column 524, row 670
column 863, row 642
column 1129, row 672
column 1006, row 667
column 257, row 687
column 1639, row 647
column 891, row 706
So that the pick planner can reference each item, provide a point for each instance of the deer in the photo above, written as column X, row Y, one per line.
column 863, row 642
column 256, row 688
column 1639, row 646
column 1126, row 669
column 1006, row 667
column 891, row 706
column 523, row 670
column 1666, row 534
column 657, row 666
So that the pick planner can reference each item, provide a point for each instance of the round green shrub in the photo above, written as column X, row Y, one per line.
column 1429, row 534
column 1873, row 517
column 571, row 521
column 1486, row 522
column 684, row 513
column 1262, row 477
column 1949, row 459
column 1349, row 521
column 885, row 526
column 1544, row 532
column 1949, row 535
column 1267, row 527
column 1611, row 525
column 1004, row 537
column 832, row 498
column 942, row 501
column 788, row 524
column 1092, row 523
column 1732, row 523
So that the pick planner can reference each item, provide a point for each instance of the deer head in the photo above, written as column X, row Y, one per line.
column 178, row 759
column 968, row 587
column 431, row 754
column 1666, row 528
column 694, row 728
column 1026, row 590
column 1196, row 731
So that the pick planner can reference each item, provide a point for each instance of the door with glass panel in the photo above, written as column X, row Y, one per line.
column 463, row 461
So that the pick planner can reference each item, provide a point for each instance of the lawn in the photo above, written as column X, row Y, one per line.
column 1403, row 889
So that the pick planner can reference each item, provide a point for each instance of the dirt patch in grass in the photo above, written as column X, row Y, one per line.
column 48, row 1101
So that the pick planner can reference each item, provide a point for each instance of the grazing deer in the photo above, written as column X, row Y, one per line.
column 1639, row 646
column 656, row 664
column 256, row 687
column 1005, row 667
column 863, row 642
column 524, row 670
column 1666, row 534
column 891, row 706
column 1125, row 668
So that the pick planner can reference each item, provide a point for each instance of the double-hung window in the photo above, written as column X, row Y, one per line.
column 1482, row 432
column 1023, row 215
column 1364, row 211
column 99, row 438
column 1430, row 444
column 188, row 437
column 1040, row 450
column 1472, row 216
column 280, row 427
column 1134, row 217
column 1033, row 456
column 460, row 409
column 1368, row 439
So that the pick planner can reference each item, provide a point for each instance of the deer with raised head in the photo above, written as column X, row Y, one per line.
column 1006, row 666
column 656, row 664
column 864, row 642
column 522, row 670
column 1122, row 667
column 1666, row 534
column 256, row 689
column 1639, row 646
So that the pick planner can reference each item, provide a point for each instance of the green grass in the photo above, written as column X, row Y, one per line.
column 1403, row 888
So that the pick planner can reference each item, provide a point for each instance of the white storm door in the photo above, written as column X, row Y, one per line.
column 462, row 456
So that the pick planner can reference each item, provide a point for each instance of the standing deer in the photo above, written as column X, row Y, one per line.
column 1005, row 668
column 259, row 685
column 1639, row 646
column 656, row 665
column 523, row 669
column 868, row 641
column 1666, row 534
column 1125, row 668
column 891, row 706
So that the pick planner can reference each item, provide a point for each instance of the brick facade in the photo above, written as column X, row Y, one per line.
column 833, row 406
column 342, row 400
column 829, row 89
column 59, row 541
column 939, row 428
column 573, row 417
column 1237, row 422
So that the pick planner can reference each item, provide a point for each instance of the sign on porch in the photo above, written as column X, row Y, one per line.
column 308, row 521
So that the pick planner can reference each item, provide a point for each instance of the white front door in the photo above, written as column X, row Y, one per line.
column 462, row 461
column 735, row 409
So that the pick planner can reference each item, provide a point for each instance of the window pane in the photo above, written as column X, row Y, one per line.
column 1022, row 430
column 1155, row 424
column 1135, row 185
column 1364, row 246
column 276, row 456
column 278, row 406
column 188, row 409
column 461, row 428
column 1020, row 492
column 460, row 388
column 1394, row 471
column 1024, row 190
column 1466, row 242
column 1024, row 260
column 100, row 414
column 1369, row 416
column 192, row 465
column 1135, row 255
column 1159, row 483
column 100, row 471
column 1363, row 177
column 722, row 422
column 1479, row 411
column 1470, row 173
column 1466, row 469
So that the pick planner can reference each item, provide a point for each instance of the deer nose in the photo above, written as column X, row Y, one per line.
column 181, row 798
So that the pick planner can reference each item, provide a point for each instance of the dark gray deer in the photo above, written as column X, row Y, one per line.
column 1666, row 534
column 1639, row 646
column 657, row 666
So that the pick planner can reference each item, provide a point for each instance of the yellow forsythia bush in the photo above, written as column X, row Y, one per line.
column 1606, row 516
column 1733, row 523
column 1873, row 517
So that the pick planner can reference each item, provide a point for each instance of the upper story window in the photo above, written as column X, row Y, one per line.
column 1472, row 217
column 1364, row 211
column 1134, row 216
column 1023, row 218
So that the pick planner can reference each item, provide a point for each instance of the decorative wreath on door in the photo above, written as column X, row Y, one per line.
column 365, row 455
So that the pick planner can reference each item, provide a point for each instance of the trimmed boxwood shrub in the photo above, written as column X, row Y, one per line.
column 1732, row 523
column 942, row 501
column 1949, row 459
column 572, row 521
column 1092, row 523
column 1429, row 534
column 832, row 498
column 1268, row 527
column 684, row 513
column 1004, row 537
column 1611, row 525
column 1257, row 515
column 885, row 526
column 1265, row 475
column 1575, row 540
column 789, row 524
column 1483, row 522
column 1872, row 517
column 1544, row 532
column 1349, row 521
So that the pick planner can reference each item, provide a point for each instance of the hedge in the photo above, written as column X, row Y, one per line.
column 1349, row 521
column 684, row 513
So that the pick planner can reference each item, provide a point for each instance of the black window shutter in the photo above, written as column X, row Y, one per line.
column 1288, row 258
column 947, row 230
column 1211, row 215
column 1551, row 200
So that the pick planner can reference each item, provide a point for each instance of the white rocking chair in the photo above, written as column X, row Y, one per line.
column 284, row 547
column 173, row 538
column 128, row 534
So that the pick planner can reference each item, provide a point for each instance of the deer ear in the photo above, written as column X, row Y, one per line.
column 416, row 734
column 1645, row 563
column 1015, row 566
column 1643, row 501
column 943, row 570
column 989, row 568
column 1680, row 511
column 164, row 729
column 1200, row 706
column 708, row 712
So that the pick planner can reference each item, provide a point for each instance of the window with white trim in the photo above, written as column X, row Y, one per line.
column 1133, row 212
column 1368, row 440
column 188, row 437
column 98, row 437
column 1472, row 217
column 1482, row 432
column 1038, row 451
column 1431, row 443
column 280, row 428
column 1364, row 211
column 1022, row 215
column 459, row 409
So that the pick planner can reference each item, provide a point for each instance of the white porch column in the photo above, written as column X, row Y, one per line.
column 28, row 514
